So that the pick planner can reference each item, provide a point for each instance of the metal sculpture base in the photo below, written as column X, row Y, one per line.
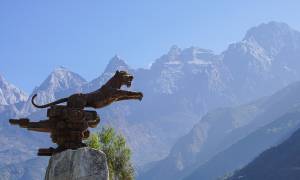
column 67, row 126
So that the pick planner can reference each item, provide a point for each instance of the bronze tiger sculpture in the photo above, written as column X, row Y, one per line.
column 107, row 94
column 68, row 125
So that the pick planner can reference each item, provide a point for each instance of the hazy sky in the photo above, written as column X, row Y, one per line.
column 37, row 36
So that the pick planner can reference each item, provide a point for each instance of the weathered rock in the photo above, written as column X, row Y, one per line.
column 80, row 164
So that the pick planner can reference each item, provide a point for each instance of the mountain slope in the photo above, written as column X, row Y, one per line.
column 276, row 163
column 245, row 150
column 220, row 129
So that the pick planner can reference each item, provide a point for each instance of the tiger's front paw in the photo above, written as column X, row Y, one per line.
column 140, row 96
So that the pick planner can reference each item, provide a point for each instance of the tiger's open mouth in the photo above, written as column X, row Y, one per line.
column 129, row 81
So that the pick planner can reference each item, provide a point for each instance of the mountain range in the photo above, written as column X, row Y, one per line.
column 254, row 70
column 179, row 88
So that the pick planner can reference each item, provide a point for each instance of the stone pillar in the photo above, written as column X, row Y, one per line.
column 80, row 164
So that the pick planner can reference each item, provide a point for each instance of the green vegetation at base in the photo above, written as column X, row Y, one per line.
column 117, row 152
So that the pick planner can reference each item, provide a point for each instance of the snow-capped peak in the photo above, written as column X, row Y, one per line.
column 60, row 68
column 273, row 37
column 197, row 56
column 10, row 94
column 174, row 51
column 61, row 78
column 60, row 83
column 192, row 55
column 116, row 63
column 266, row 30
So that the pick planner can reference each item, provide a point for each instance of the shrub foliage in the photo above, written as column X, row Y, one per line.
column 117, row 152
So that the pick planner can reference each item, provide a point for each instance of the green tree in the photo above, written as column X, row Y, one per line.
column 117, row 152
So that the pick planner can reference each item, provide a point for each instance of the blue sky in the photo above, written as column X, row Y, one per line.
column 37, row 36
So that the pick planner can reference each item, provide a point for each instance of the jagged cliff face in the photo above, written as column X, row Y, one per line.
column 181, row 86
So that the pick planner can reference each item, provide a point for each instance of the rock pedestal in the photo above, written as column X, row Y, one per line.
column 79, row 164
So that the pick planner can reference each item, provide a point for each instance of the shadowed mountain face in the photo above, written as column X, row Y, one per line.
column 277, row 163
column 179, row 88
column 200, row 152
column 246, row 149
